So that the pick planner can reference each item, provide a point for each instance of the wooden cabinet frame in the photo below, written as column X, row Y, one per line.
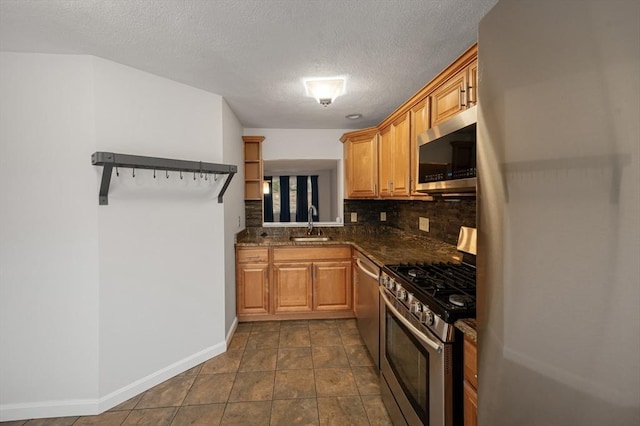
column 253, row 167
column 361, row 163
column 294, row 282
column 252, row 281
column 395, row 158
column 453, row 90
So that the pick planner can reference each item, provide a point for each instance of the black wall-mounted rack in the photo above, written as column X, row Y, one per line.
column 109, row 160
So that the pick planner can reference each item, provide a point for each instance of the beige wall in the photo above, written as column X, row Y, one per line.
column 559, row 234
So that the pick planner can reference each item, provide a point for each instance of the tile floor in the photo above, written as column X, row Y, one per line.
column 315, row 372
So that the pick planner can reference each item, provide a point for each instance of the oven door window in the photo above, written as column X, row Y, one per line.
column 409, row 361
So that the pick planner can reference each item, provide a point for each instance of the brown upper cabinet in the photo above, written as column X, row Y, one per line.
column 454, row 95
column 472, row 88
column 419, row 119
column 394, row 158
column 382, row 161
column 361, row 163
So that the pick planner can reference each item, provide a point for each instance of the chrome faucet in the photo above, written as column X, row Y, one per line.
column 312, row 211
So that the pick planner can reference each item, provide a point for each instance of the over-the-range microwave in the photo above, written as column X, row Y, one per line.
column 447, row 156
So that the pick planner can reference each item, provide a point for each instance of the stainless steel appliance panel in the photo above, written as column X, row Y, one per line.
column 548, row 173
column 415, row 367
column 367, row 308
column 447, row 156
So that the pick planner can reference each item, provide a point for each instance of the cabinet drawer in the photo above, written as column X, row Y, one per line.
column 470, row 363
column 311, row 253
column 252, row 255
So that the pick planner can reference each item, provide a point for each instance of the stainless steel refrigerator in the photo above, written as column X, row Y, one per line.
column 559, row 213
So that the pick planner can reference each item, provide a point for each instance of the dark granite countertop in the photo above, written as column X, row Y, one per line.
column 383, row 245
column 468, row 328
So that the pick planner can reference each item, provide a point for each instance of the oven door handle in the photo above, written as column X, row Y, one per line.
column 412, row 328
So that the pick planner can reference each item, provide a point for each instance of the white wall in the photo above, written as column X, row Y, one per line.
column 161, row 248
column 99, row 303
column 234, row 214
column 305, row 144
column 559, row 214
column 48, row 235
column 295, row 144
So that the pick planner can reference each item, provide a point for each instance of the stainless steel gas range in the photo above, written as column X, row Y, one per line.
column 419, row 355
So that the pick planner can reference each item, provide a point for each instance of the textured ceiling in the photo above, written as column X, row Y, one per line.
column 255, row 53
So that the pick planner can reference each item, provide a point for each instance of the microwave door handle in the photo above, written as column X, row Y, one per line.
column 365, row 270
column 416, row 333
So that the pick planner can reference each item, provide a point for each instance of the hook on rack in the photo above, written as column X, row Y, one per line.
column 205, row 176
column 167, row 173
column 117, row 172
column 154, row 173
column 180, row 174
column 215, row 177
column 194, row 175
column 134, row 172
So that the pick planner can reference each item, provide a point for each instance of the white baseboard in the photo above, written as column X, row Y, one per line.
column 88, row 407
column 231, row 331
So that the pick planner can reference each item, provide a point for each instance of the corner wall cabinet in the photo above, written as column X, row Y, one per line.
column 110, row 160
column 361, row 163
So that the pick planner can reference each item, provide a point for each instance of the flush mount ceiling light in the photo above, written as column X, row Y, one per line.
column 353, row 116
column 324, row 90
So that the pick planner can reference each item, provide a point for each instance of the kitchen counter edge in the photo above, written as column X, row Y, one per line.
column 382, row 250
column 468, row 327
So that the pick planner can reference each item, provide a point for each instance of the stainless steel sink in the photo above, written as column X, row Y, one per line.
column 311, row 239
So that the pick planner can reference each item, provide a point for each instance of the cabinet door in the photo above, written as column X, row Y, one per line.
column 419, row 123
column 449, row 99
column 470, row 357
column 470, row 404
column 253, row 289
column 385, row 161
column 332, row 286
column 292, row 287
column 400, row 158
column 472, row 88
column 362, row 166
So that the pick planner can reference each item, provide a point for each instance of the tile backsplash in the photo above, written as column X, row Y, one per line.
column 445, row 216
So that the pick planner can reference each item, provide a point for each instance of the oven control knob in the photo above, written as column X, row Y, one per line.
column 427, row 316
column 401, row 294
column 390, row 284
column 416, row 308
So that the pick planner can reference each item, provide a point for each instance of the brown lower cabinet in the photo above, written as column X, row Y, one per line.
column 292, row 285
column 294, row 282
column 470, row 385
column 332, row 288
column 252, row 277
